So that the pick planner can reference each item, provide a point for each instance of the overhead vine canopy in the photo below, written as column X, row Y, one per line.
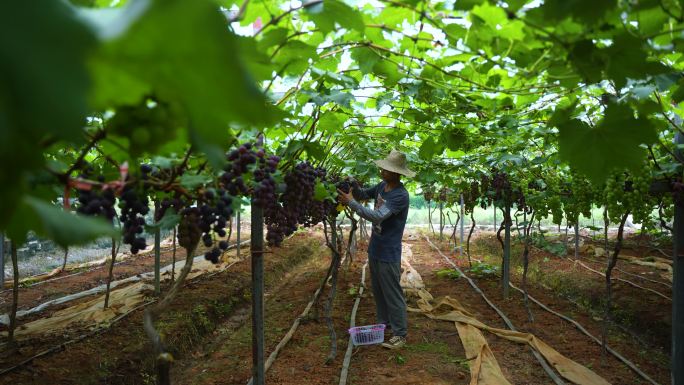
column 459, row 85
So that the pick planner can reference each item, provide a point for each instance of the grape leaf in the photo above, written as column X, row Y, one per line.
column 613, row 144
column 322, row 192
column 626, row 59
column 168, row 221
column 466, row 4
column 44, row 87
column 191, row 182
column 330, row 122
column 430, row 148
column 53, row 222
column 365, row 58
column 314, row 150
column 182, row 51
column 586, row 11
column 492, row 15
column 326, row 13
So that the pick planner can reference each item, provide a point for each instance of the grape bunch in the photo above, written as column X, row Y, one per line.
column 530, row 196
column 485, row 196
column 144, row 124
column 297, row 205
column 428, row 193
column 554, row 205
column 240, row 162
column 641, row 201
column 319, row 210
column 579, row 198
column 521, row 189
column 168, row 203
column 99, row 204
column 348, row 184
column 291, row 209
column 628, row 192
column 216, row 209
column 134, row 206
column 471, row 196
column 279, row 224
column 299, row 192
column 216, row 205
column 248, row 172
column 501, row 185
column 251, row 172
column 474, row 191
column 442, row 197
column 188, row 229
column 96, row 203
column 246, row 158
column 264, row 193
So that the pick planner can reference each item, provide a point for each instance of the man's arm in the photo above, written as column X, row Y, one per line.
column 365, row 194
column 392, row 206
column 375, row 216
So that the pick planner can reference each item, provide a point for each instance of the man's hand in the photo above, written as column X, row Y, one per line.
column 344, row 197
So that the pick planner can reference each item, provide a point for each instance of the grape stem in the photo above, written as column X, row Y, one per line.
column 162, row 357
column 609, row 288
column 335, row 264
column 470, row 234
column 179, row 170
column 526, row 260
column 99, row 135
column 662, row 108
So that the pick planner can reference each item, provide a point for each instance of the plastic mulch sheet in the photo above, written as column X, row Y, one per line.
column 91, row 314
column 88, row 314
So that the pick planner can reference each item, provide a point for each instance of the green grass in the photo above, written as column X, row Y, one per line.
column 437, row 347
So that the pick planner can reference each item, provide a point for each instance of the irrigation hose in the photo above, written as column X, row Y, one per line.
column 352, row 322
column 623, row 280
column 288, row 336
column 583, row 330
column 669, row 286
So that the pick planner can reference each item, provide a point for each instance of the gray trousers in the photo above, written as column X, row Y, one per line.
column 390, row 304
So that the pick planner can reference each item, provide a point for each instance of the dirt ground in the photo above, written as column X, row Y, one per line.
column 434, row 354
column 208, row 328
column 75, row 281
column 638, row 313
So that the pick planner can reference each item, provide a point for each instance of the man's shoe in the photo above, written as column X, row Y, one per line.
column 395, row 342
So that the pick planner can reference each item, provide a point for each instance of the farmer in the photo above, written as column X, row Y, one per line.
column 384, row 250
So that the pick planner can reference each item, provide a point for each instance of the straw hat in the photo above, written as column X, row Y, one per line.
column 396, row 162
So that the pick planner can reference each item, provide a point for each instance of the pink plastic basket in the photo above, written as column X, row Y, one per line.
column 367, row 335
